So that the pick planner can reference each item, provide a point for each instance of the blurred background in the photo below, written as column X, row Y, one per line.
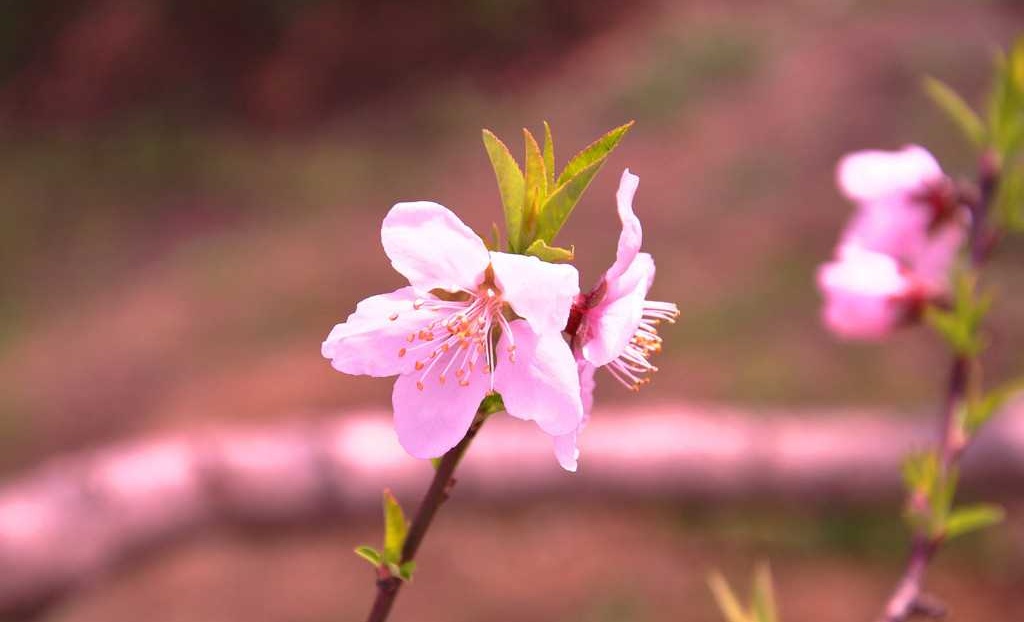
column 191, row 195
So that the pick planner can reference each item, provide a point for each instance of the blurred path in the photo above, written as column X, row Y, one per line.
column 75, row 517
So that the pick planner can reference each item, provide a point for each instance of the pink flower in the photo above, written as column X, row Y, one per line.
column 902, row 198
column 615, row 326
column 866, row 294
column 897, row 252
column 471, row 322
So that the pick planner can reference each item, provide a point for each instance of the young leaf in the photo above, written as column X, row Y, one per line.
column 549, row 155
column 536, row 188
column 561, row 202
column 980, row 410
column 972, row 518
column 395, row 528
column 553, row 254
column 764, row 608
column 370, row 554
column 405, row 570
column 511, row 186
column 596, row 151
column 726, row 599
column 957, row 110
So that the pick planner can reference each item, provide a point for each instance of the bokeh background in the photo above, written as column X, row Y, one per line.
column 191, row 195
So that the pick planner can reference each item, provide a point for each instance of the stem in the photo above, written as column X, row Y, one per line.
column 438, row 492
column 907, row 598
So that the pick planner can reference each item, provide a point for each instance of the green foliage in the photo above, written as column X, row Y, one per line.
column 511, row 186
column 536, row 203
column 960, row 325
column 958, row 111
column 970, row 518
column 1009, row 201
column 931, row 510
column 554, row 254
column 762, row 607
column 979, row 409
column 396, row 528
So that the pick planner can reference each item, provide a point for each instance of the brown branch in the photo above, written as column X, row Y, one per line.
column 438, row 492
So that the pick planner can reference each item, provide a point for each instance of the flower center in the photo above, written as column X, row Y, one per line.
column 633, row 366
column 461, row 340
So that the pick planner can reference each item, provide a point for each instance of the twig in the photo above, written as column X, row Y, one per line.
column 908, row 599
column 388, row 585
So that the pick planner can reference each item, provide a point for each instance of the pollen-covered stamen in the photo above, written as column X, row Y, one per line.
column 449, row 347
column 633, row 365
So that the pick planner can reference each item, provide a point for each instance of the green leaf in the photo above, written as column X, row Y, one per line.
column 957, row 110
column 960, row 326
column 405, row 570
column 549, row 155
column 561, row 202
column 726, row 599
column 511, row 186
column 970, row 518
column 536, row 189
column 980, row 410
column 395, row 528
column 553, row 254
column 370, row 554
column 764, row 608
column 593, row 153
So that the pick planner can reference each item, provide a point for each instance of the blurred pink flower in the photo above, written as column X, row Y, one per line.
column 902, row 198
column 898, row 250
column 615, row 326
column 471, row 322
column 866, row 293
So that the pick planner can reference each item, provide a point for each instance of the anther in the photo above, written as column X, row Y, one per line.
column 393, row 317
column 419, row 385
column 401, row 353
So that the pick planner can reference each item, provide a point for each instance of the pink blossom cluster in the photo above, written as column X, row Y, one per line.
column 473, row 322
column 897, row 252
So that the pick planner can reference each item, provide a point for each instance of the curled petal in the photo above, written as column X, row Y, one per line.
column 934, row 262
column 609, row 326
column 542, row 293
column 873, row 174
column 864, row 293
column 433, row 419
column 632, row 234
column 537, row 378
column 566, row 449
column 373, row 341
column 430, row 246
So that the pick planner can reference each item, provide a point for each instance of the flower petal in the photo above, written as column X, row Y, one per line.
column 609, row 326
column 863, row 290
column 873, row 174
column 540, row 292
column 432, row 420
column 430, row 246
column 566, row 451
column 370, row 342
column 540, row 383
column 895, row 226
column 632, row 234
column 933, row 264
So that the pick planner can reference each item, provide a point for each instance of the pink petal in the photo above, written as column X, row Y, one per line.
column 632, row 234
column 862, row 293
column 370, row 343
column 431, row 421
column 587, row 385
column 540, row 292
column 540, row 383
column 933, row 264
column 609, row 326
column 873, row 174
column 430, row 246
column 566, row 451
column 894, row 226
